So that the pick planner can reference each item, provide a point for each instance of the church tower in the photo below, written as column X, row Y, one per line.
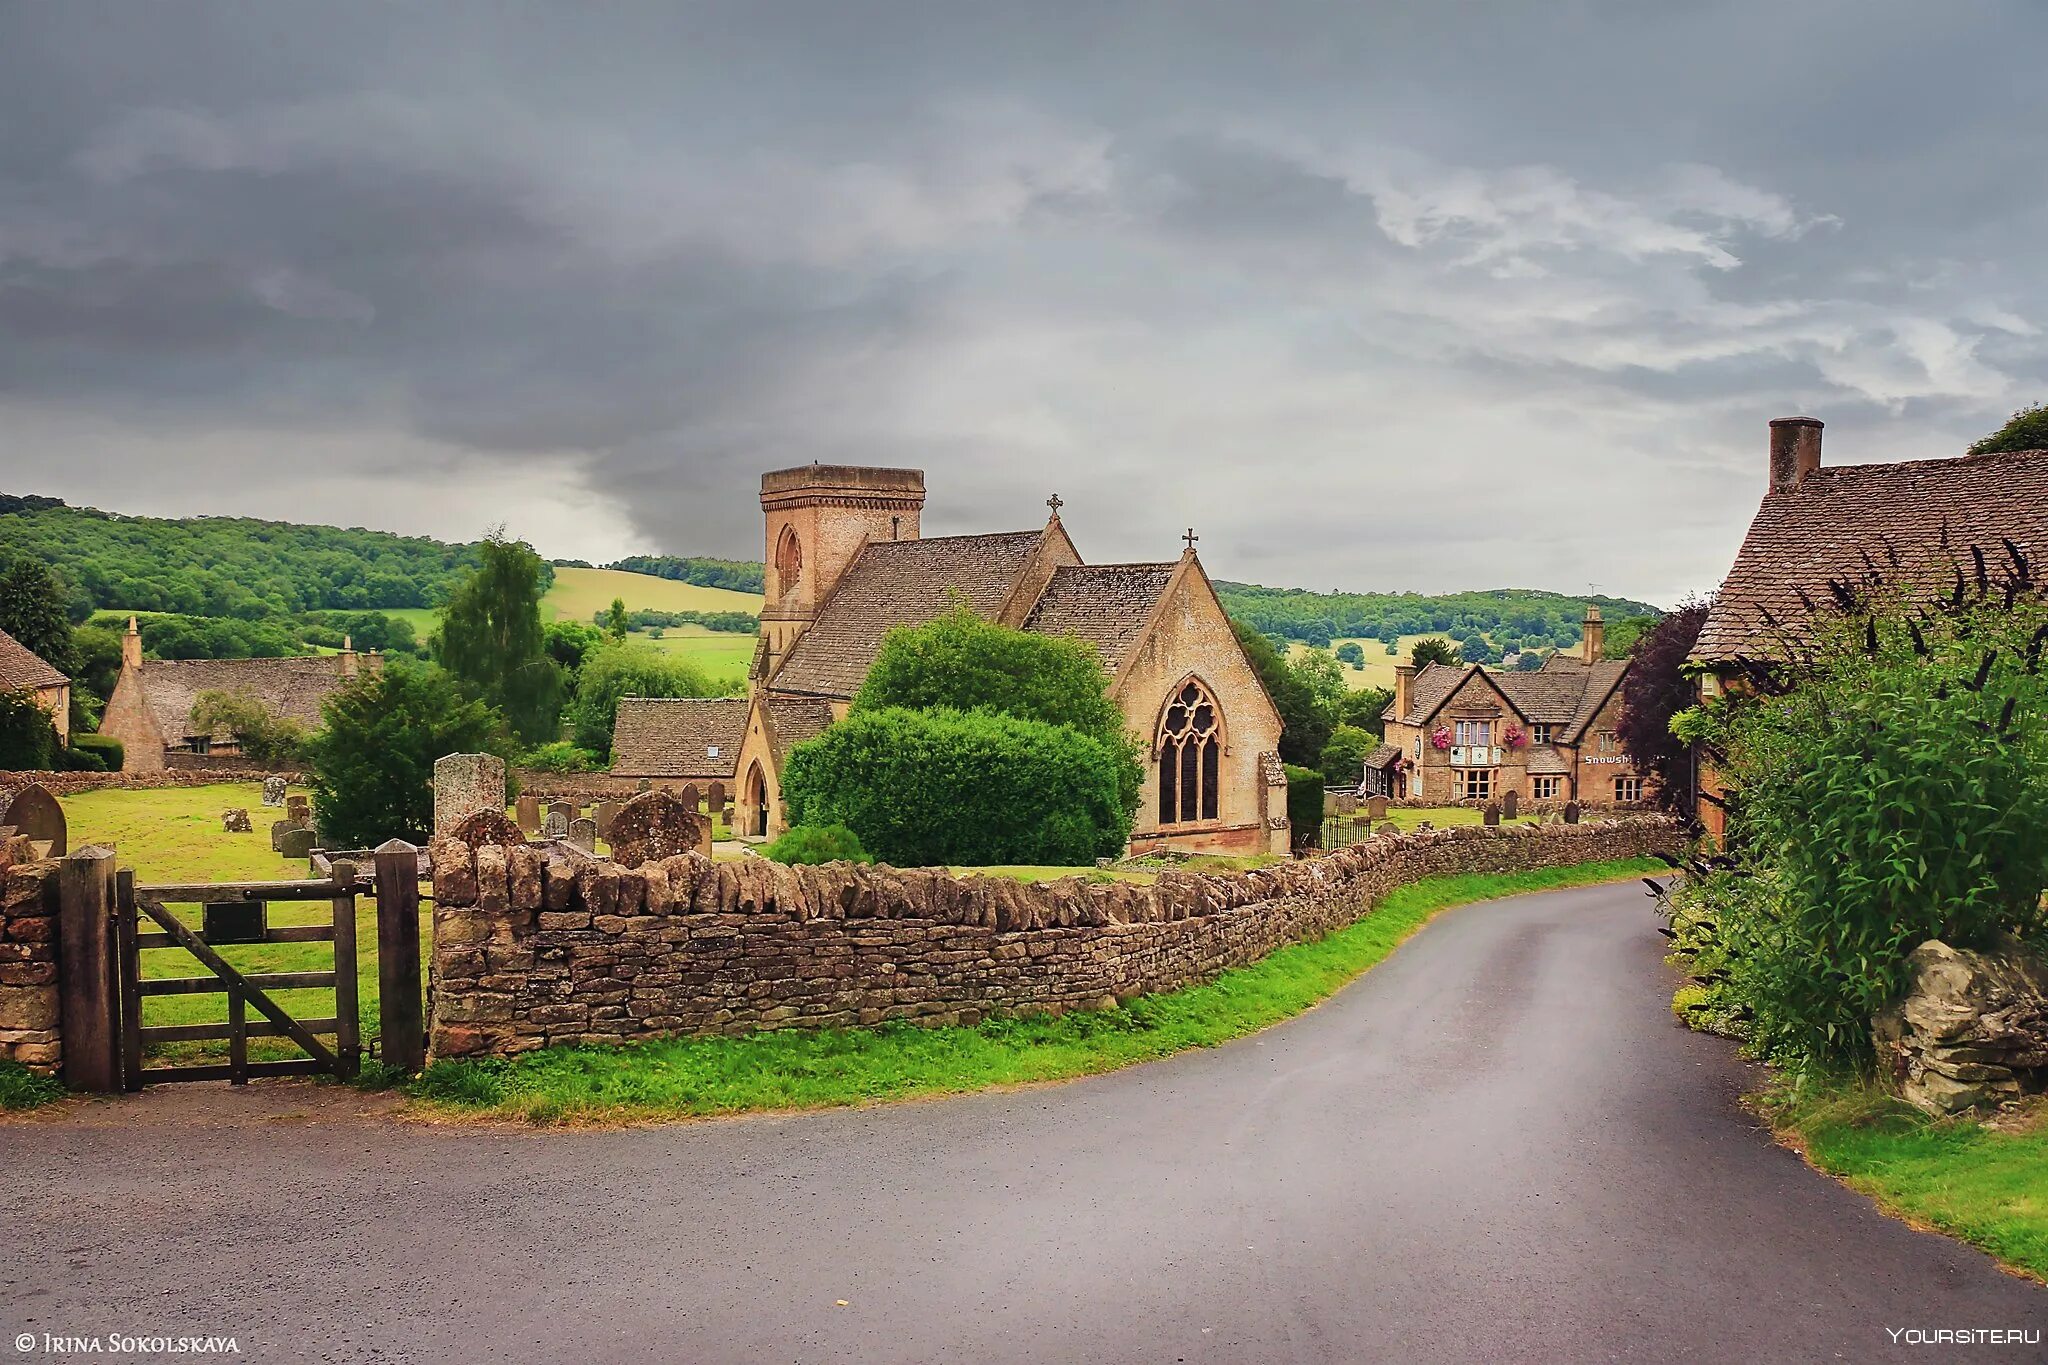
column 817, row 518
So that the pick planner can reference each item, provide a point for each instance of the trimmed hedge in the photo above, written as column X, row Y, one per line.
column 1305, row 804
column 940, row 788
column 818, row 844
column 106, row 746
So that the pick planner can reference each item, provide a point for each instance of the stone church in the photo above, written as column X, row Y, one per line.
column 846, row 562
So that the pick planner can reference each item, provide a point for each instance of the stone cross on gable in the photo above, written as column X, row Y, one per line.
column 1055, row 502
column 1191, row 538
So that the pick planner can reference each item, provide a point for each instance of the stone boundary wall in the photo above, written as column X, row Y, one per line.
column 29, row 1029
column 534, row 946
column 71, row 784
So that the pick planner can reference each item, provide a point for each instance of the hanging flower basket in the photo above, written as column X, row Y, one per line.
column 1514, row 738
column 1440, row 738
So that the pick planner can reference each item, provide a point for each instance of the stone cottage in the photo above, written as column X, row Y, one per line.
column 846, row 562
column 1819, row 524
column 151, row 709
column 24, row 670
column 1461, row 733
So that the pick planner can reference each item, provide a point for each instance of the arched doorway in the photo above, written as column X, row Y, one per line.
column 756, row 811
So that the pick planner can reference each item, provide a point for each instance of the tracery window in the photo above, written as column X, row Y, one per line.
column 1190, row 752
column 789, row 561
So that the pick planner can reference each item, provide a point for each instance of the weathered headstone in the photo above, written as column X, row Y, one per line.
column 556, row 825
column 1347, row 803
column 604, row 815
column 714, row 796
column 273, row 791
column 280, row 828
column 1376, row 809
column 36, row 816
column 465, row 784
column 1511, row 804
column 565, row 809
column 1571, row 812
column 583, row 833
column 236, row 822
column 725, row 814
column 298, row 808
column 692, row 798
column 529, row 814
column 488, row 827
column 297, row 842
column 1388, row 828
column 1492, row 814
column 656, row 825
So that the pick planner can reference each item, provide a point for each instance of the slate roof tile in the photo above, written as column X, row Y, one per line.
column 24, row 670
column 289, row 688
column 1103, row 604
column 674, row 736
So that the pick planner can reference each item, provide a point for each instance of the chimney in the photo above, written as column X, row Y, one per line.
column 131, row 646
column 348, row 656
column 1795, row 451
column 1595, row 642
column 1404, row 680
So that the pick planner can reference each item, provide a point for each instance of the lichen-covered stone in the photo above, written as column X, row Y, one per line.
column 1971, row 1031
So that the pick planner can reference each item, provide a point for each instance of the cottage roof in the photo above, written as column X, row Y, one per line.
column 1565, row 692
column 1383, row 755
column 24, row 670
column 1106, row 605
column 290, row 688
column 695, row 737
column 899, row 583
column 1545, row 761
column 1914, row 522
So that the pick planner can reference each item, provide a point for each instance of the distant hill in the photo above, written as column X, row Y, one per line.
column 1510, row 618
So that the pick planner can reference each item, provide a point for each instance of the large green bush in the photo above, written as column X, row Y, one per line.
column 943, row 787
column 110, row 750
column 1305, row 804
column 1894, row 788
column 28, row 741
column 373, row 758
column 818, row 844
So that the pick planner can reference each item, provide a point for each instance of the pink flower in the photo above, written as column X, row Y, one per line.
column 1440, row 738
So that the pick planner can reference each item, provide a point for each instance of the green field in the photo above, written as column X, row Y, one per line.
column 579, row 594
column 721, row 654
column 1379, row 660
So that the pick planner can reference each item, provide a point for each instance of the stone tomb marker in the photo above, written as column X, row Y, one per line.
column 37, row 817
column 656, row 825
column 606, row 812
column 556, row 826
column 1511, row 804
column 529, row 815
column 583, row 833
column 1376, row 809
column 1492, row 816
column 1571, row 812
column 565, row 809
column 296, row 842
column 273, row 792
column 465, row 784
column 236, row 822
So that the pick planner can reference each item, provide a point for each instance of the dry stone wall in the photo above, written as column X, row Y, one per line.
column 28, row 959
column 70, row 784
column 539, row 945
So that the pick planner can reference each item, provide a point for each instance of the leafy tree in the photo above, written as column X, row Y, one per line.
column 1655, row 690
column 561, row 757
column 628, row 669
column 99, row 660
column 373, row 758
column 1435, row 650
column 1528, row 661
column 2028, row 430
column 943, row 787
column 818, row 844
column 1620, row 636
column 208, row 637
column 1304, row 725
column 568, row 643
column 615, row 622
column 28, row 740
column 1344, row 756
column 1351, row 652
column 1363, row 707
column 33, row 610
column 492, row 642
column 960, row 662
column 267, row 738
column 1323, row 676
column 733, row 574
column 1473, row 649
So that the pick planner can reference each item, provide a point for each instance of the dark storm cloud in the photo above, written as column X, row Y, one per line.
column 1256, row 268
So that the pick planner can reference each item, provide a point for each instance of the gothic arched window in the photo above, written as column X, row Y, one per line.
column 1190, row 752
column 789, row 561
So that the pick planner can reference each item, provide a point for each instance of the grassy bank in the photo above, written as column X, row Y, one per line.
column 1988, row 1187
column 793, row 1069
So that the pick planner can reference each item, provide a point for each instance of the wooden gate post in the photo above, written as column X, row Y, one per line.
column 401, row 1020
column 88, row 961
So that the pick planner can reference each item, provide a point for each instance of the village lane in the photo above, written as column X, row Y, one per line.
column 1497, row 1146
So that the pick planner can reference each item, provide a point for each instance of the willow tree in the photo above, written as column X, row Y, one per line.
column 493, row 642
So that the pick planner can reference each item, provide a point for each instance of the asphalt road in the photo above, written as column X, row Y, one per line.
column 1496, row 1147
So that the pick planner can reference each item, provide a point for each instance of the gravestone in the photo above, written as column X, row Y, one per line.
column 1511, row 804
column 656, row 825
column 645, row 784
column 583, row 833
column 529, row 814
column 1376, row 809
column 299, row 809
column 37, row 817
column 725, row 814
column 606, row 812
column 692, row 798
column 297, row 842
column 273, row 791
column 1347, row 803
column 714, row 796
column 280, row 828
column 1492, row 815
column 556, row 826
column 1388, row 828
column 1571, row 812
column 564, row 809
column 236, row 822
column 465, row 784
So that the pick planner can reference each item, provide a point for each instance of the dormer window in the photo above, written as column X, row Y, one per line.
column 1542, row 733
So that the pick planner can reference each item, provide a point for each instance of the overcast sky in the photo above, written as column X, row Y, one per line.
column 1433, row 296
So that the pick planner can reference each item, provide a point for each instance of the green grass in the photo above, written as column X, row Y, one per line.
column 1379, row 659
column 1985, row 1186
column 578, row 594
column 1443, row 817
column 723, row 655
column 797, row 1069
column 21, row 1088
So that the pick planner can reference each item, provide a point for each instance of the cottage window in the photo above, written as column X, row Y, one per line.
column 1190, row 752
column 1475, row 784
column 1474, row 734
column 1546, row 788
column 1542, row 732
column 1628, row 789
column 1610, row 743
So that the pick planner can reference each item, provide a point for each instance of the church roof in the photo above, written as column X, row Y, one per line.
column 676, row 736
column 1565, row 692
column 24, row 670
column 795, row 719
column 899, row 583
column 1913, row 522
column 290, row 689
column 1106, row 605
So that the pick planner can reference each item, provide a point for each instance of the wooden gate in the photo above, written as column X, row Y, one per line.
column 235, row 913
